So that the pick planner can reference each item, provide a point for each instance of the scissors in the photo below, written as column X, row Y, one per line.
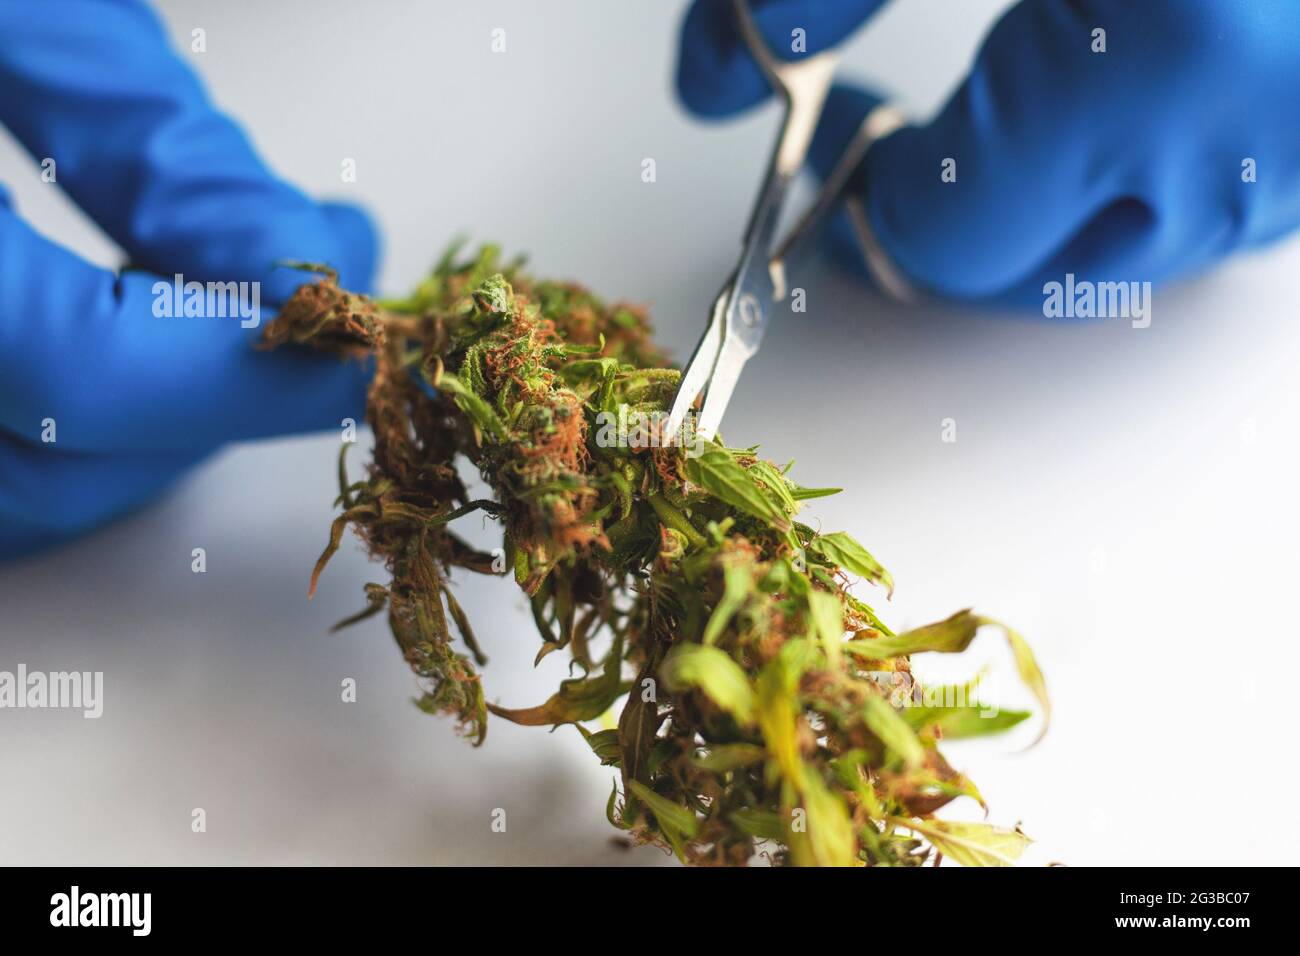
column 742, row 309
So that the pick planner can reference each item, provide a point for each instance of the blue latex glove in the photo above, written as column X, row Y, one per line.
column 136, row 399
column 1116, row 166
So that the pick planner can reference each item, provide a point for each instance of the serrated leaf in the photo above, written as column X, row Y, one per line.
column 844, row 552
column 718, row 473
column 775, row 484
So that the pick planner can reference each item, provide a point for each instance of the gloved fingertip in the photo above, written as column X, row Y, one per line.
column 846, row 108
column 715, row 75
column 343, row 237
column 359, row 239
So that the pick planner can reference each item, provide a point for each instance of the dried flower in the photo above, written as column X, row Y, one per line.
column 762, row 708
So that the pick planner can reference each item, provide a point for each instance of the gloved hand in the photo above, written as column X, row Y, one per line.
column 1125, row 165
column 133, row 399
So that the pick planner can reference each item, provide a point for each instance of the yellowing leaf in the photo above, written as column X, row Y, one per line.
column 776, row 716
column 737, row 582
column 951, row 635
column 828, row 839
column 713, row 672
column 822, row 835
column 956, row 723
column 723, row 757
column 954, row 635
column 828, row 623
column 970, row 844
column 850, row 769
column 581, row 698
column 1029, row 673
column 894, row 732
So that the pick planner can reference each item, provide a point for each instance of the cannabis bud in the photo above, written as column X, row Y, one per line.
column 765, row 707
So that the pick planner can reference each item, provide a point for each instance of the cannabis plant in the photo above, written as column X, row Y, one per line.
column 766, row 709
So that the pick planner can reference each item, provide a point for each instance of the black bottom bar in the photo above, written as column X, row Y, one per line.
column 334, row 905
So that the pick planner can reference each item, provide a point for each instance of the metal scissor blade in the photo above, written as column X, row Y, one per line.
column 735, row 330
column 700, row 368
column 726, row 373
column 741, row 311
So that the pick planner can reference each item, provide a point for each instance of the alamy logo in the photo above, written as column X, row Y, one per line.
column 1098, row 300
column 102, row 909
column 904, row 691
column 209, row 300
column 83, row 690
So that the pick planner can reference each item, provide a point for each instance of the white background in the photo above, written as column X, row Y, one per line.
column 1125, row 497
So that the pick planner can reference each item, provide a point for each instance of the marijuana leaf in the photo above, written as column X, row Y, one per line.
column 718, row 473
column 971, row 844
column 581, row 698
column 720, row 678
column 954, row 635
column 751, row 718
column 894, row 732
column 843, row 552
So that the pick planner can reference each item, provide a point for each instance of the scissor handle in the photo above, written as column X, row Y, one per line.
column 879, row 123
column 803, row 85
column 743, row 307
